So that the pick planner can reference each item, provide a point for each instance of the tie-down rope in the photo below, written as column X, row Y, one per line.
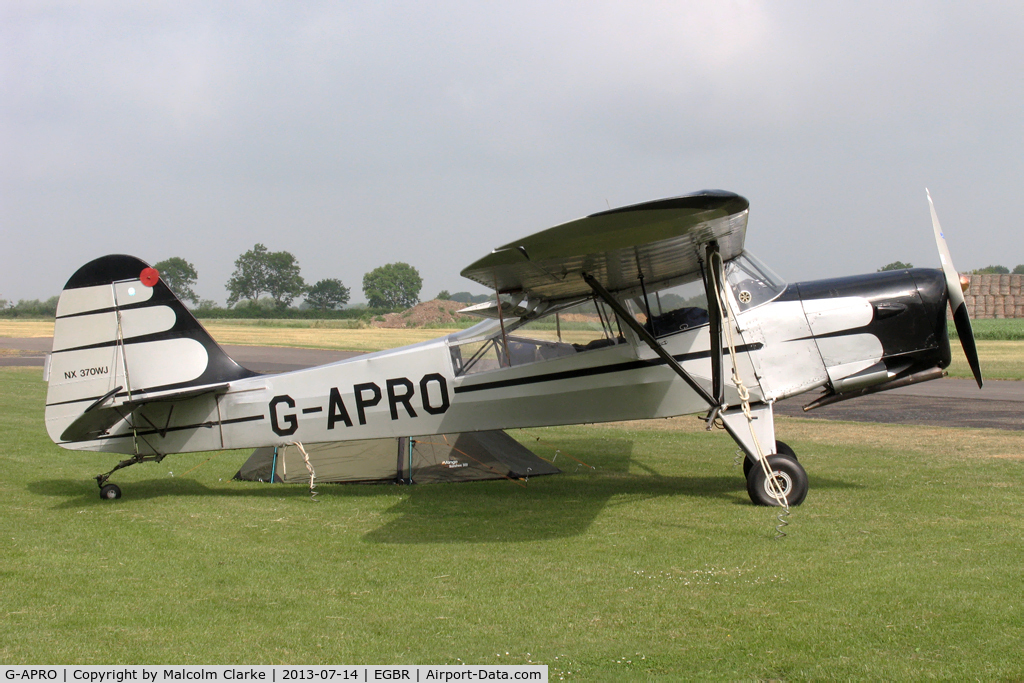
column 729, row 316
column 309, row 467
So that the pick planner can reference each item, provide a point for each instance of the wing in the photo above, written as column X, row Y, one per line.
column 661, row 239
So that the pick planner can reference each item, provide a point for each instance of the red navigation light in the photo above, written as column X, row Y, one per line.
column 149, row 276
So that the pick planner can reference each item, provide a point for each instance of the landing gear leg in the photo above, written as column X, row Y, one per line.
column 788, row 476
column 112, row 491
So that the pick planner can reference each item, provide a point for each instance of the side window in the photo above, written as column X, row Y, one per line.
column 477, row 356
column 673, row 309
column 583, row 327
column 564, row 331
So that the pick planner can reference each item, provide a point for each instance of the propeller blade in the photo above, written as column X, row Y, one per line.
column 961, row 319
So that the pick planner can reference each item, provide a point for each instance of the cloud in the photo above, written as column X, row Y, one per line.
column 357, row 134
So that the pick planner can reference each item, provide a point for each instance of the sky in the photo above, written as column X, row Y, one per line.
column 357, row 134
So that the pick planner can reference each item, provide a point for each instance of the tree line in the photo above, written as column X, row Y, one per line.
column 273, row 279
column 987, row 270
column 268, row 282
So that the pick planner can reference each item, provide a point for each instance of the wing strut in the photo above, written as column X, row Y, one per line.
column 642, row 332
column 713, row 290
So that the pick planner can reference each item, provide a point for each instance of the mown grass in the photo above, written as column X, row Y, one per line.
column 300, row 323
column 904, row 562
column 998, row 359
column 26, row 328
column 1004, row 329
column 369, row 339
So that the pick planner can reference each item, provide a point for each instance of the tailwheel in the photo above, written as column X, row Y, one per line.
column 780, row 447
column 787, row 477
column 110, row 492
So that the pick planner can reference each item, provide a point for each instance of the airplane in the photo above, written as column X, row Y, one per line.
column 647, row 311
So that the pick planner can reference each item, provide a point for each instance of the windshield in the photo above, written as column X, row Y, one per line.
column 752, row 282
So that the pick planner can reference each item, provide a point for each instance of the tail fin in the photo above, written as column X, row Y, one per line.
column 120, row 334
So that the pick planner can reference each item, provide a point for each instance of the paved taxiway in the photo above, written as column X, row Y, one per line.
column 946, row 402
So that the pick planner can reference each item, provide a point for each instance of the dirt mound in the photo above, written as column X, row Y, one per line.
column 436, row 313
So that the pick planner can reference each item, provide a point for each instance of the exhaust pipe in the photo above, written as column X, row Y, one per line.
column 916, row 378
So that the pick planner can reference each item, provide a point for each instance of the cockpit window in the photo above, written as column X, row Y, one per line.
column 673, row 309
column 562, row 330
column 752, row 282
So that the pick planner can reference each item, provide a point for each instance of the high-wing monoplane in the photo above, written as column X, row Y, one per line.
column 647, row 311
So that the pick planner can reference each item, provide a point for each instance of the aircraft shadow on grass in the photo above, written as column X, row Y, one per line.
column 549, row 507
column 553, row 507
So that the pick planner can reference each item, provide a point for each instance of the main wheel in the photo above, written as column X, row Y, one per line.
column 787, row 475
column 110, row 492
column 784, row 448
column 780, row 447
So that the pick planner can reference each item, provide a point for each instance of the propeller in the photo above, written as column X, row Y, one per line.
column 955, row 286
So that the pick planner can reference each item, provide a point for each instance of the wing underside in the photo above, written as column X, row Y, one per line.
column 658, row 240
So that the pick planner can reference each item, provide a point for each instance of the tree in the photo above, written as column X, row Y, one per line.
column 33, row 308
column 395, row 285
column 206, row 305
column 327, row 294
column 443, row 295
column 1018, row 270
column 250, row 277
column 992, row 270
column 895, row 265
column 179, row 275
column 259, row 271
column 467, row 298
column 283, row 280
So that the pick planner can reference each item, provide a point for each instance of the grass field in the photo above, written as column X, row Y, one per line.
column 1003, row 329
column 904, row 563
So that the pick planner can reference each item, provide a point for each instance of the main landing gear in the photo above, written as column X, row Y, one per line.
column 787, row 476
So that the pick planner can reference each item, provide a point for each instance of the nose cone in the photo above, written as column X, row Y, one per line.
column 909, row 314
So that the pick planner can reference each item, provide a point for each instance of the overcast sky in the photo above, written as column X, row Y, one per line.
column 357, row 134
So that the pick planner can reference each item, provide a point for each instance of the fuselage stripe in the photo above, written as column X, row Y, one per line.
column 600, row 370
column 208, row 425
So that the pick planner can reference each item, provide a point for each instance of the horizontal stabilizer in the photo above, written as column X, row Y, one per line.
column 99, row 418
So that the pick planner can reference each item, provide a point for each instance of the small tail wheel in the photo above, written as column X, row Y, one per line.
column 110, row 492
column 787, row 477
column 780, row 447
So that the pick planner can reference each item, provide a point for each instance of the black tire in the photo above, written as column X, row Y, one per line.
column 110, row 492
column 787, row 472
column 784, row 448
column 780, row 447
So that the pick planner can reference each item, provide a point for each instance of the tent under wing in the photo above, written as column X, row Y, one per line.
column 430, row 459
